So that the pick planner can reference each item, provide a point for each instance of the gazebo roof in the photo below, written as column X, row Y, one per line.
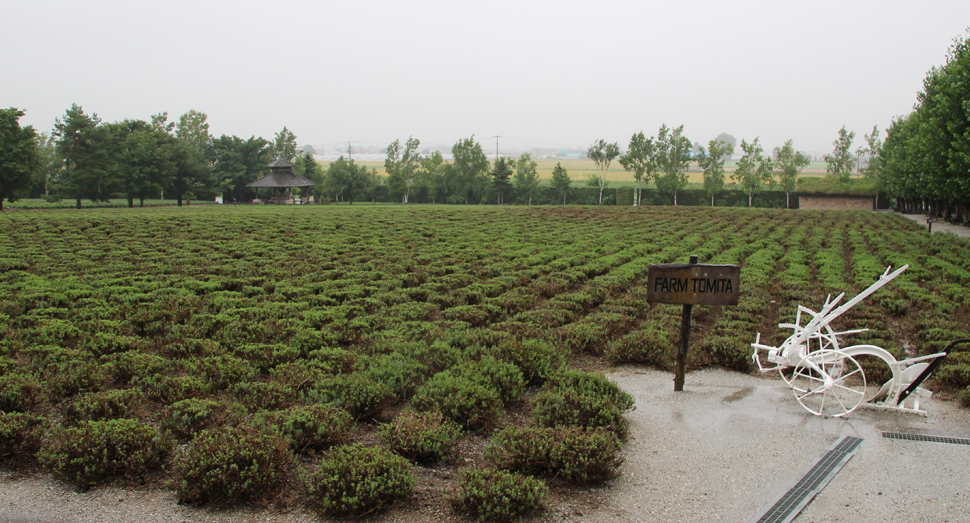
column 281, row 163
column 281, row 175
column 281, row 179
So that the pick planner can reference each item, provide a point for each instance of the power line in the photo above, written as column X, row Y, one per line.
column 496, row 145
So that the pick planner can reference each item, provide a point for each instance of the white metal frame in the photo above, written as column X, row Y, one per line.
column 826, row 379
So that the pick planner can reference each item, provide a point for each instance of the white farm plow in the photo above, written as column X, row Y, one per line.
column 827, row 380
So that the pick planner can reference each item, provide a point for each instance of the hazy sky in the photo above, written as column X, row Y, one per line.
column 538, row 73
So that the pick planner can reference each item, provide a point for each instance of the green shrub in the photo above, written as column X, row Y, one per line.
column 361, row 396
column 647, row 346
column 313, row 426
column 225, row 371
column 20, row 436
column 954, row 373
column 583, row 399
column 262, row 395
column 18, row 392
column 580, row 337
column 297, row 375
column 437, row 357
column 96, row 406
column 354, row 479
column 965, row 397
column 401, row 373
column 504, row 378
column 69, row 378
column 226, row 464
column 188, row 348
column 96, row 450
column 100, row 343
column 536, row 359
column 589, row 383
column 421, row 437
column 170, row 389
column 266, row 356
column 131, row 366
column 896, row 306
column 728, row 351
column 497, row 495
column 187, row 417
column 575, row 454
column 460, row 399
column 476, row 315
column 333, row 360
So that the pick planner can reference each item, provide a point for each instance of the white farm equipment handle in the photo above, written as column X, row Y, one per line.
column 884, row 279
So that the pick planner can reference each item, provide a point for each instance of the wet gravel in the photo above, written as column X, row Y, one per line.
column 721, row 450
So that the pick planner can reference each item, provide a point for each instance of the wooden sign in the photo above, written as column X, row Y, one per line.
column 694, row 284
column 690, row 284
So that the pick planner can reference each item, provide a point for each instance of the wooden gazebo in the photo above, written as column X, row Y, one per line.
column 281, row 176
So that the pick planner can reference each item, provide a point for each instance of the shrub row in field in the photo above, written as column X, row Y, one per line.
column 304, row 324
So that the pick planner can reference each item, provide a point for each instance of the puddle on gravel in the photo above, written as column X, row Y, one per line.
column 739, row 395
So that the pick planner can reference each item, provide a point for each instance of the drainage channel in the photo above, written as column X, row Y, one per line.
column 921, row 437
column 811, row 482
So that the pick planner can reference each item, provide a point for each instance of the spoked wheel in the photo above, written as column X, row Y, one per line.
column 828, row 383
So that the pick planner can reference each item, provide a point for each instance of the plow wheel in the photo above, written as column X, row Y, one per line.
column 828, row 383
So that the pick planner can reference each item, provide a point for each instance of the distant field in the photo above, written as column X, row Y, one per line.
column 580, row 170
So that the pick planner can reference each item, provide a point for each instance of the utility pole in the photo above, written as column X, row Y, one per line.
column 350, row 151
column 496, row 145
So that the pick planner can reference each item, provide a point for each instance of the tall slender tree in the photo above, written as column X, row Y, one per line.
column 45, row 177
column 872, row 154
column 839, row 163
column 284, row 145
column 789, row 162
column 193, row 129
column 431, row 175
column 754, row 169
column 673, row 160
column 712, row 161
column 902, row 162
column 401, row 166
column 561, row 181
column 640, row 158
column 526, row 176
column 602, row 154
column 501, row 173
column 470, row 169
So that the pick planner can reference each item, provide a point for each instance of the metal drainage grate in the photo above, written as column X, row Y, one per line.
column 812, row 481
column 920, row 437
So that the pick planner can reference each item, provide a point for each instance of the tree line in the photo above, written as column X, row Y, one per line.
column 84, row 158
column 925, row 160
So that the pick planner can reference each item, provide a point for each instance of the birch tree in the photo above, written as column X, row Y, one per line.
column 602, row 154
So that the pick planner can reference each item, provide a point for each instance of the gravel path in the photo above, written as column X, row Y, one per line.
column 719, row 451
column 730, row 444
column 941, row 226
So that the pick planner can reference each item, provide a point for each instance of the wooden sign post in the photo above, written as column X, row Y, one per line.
column 692, row 284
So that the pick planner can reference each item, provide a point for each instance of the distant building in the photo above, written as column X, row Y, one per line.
column 843, row 202
column 571, row 155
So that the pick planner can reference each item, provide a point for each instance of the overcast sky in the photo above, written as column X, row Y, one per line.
column 538, row 73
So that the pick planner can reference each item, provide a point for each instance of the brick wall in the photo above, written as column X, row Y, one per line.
column 844, row 203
